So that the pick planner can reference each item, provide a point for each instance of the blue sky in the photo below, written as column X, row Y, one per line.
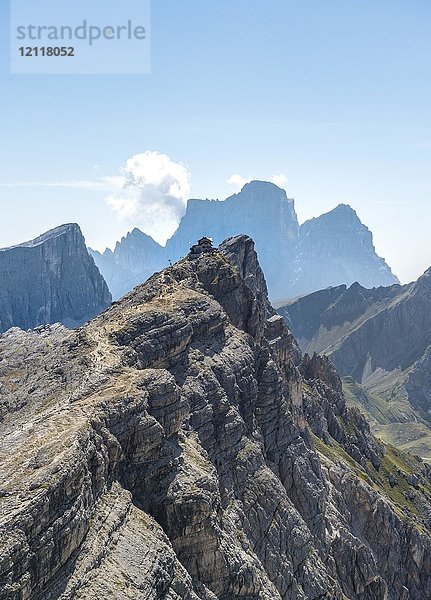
column 336, row 95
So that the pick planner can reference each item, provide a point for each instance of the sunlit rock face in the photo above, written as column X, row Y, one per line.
column 180, row 446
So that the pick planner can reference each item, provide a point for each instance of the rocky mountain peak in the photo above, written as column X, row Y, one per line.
column 136, row 239
column 264, row 191
column 344, row 211
column 337, row 248
column 135, row 258
column 423, row 284
column 242, row 253
column 333, row 249
column 335, row 220
column 171, row 448
column 70, row 230
column 51, row 278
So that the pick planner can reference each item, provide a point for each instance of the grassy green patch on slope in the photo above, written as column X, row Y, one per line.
column 396, row 466
column 391, row 418
column 376, row 409
column 409, row 437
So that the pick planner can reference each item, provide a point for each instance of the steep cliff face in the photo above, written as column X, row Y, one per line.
column 178, row 446
column 50, row 279
column 333, row 249
column 262, row 211
column 261, row 208
column 135, row 258
column 319, row 320
column 337, row 248
column 381, row 339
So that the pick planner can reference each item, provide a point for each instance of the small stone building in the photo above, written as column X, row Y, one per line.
column 204, row 245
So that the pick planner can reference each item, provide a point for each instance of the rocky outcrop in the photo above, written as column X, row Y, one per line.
column 333, row 249
column 135, row 258
column 328, row 416
column 380, row 338
column 418, row 384
column 163, row 451
column 50, row 279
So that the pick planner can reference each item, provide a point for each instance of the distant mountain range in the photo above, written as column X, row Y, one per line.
column 329, row 250
column 50, row 279
column 55, row 278
column 380, row 342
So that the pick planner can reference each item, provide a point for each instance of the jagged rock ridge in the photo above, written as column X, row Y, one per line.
column 332, row 249
column 380, row 339
column 178, row 446
column 50, row 279
column 135, row 258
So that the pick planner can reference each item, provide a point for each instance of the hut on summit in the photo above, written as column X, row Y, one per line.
column 204, row 245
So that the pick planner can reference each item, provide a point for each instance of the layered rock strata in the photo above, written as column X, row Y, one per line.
column 179, row 446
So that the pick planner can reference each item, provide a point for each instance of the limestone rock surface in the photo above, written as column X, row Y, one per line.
column 50, row 279
column 178, row 446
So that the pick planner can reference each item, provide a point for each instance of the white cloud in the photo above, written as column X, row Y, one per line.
column 151, row 191
column 280, row 180
column 153, row 194
column 238, row 181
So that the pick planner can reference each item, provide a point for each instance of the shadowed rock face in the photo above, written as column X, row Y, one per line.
column 381, row 338
column 365, row 330
column 332, row 249
column 337, row 248
column 317, row 319
column 178, row 446
column 50, row 279
column 135, row 258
